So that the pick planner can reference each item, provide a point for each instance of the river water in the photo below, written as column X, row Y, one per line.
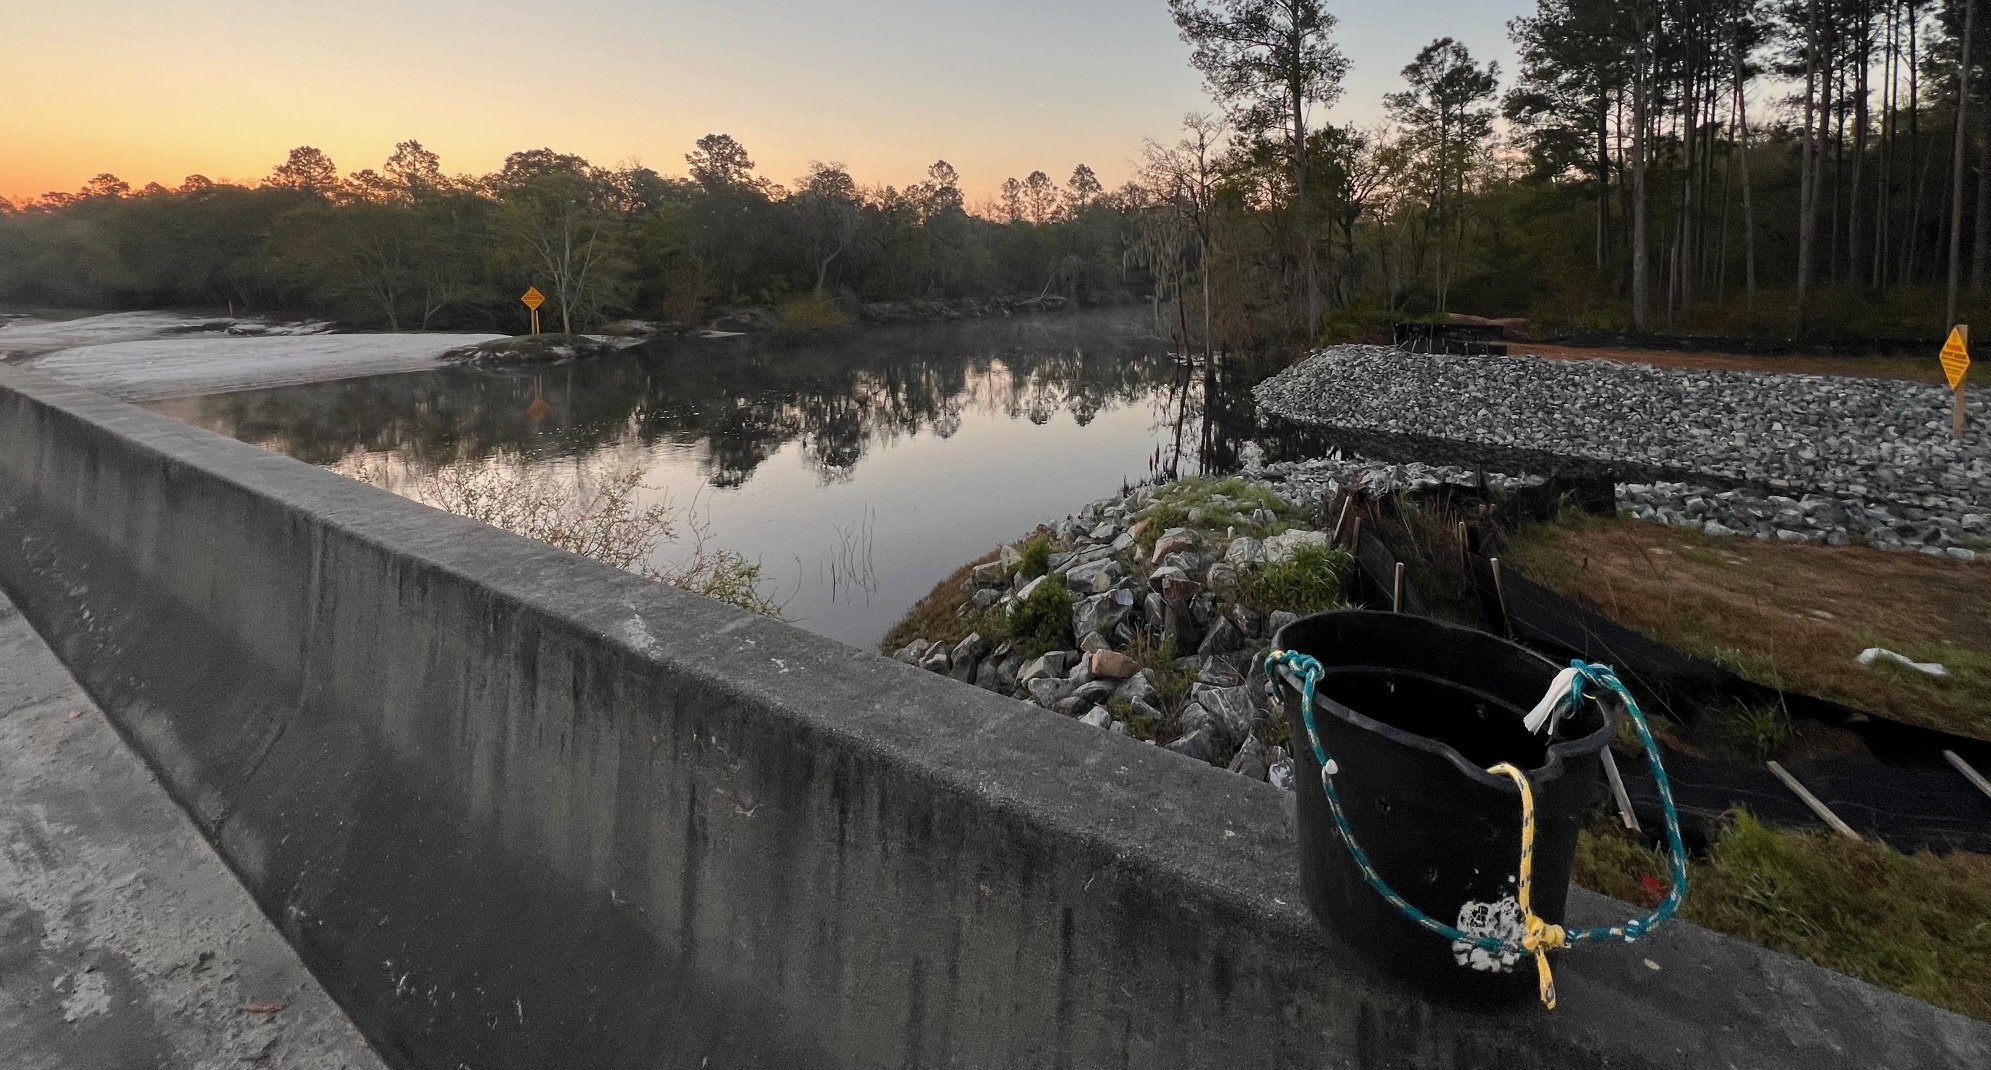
column 858, row 469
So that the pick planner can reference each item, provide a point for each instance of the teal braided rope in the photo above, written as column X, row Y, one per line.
column 1308, row 671
column 1676, row 851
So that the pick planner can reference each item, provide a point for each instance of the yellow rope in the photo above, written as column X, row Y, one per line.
column 1537, row 936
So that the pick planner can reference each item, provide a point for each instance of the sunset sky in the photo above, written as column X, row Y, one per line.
column 157, row 90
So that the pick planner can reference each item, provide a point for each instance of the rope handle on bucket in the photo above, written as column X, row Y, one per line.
column 1537, row 935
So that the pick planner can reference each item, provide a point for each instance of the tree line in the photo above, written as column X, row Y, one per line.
column 409, row 246
column 1733, row 166
column 1749, row 166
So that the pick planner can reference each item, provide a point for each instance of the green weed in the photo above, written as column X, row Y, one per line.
column 1308, row 581
column 1918, row 924
column 1036, row 558
column 1042, row 622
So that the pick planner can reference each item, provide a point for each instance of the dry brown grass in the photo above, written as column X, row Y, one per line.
column 1792, row 616
column 937, row 617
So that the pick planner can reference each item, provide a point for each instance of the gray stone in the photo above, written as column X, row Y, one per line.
column 992, row 574
column 1194, row 718
column 1095, row 693
column 1278, row 620
column 1217, row 672
column 1961, row 553
column 1051, row 665
column 988, row 675
column 1048, row 691
column 1095, row 578
column 1006, row 671
column 1281, row 547
column 1222, row 638
column 1249, row 761
column 1097, row 717
column 1250, row 622
column 1155, row 611
column 1222, row 579
column 1101, row 612
column 1103, row 533
column 913, row 652
column 1245, row 552
column 1193, row 745
column 936, row 659
column 1093, row 641
column 1139, row 688
column 1234, row 708
column 966, row 655
column 1163, row 575
column 1174, row 540
column 1715, row 529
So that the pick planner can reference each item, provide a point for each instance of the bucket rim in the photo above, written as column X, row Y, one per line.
column 1553, row 757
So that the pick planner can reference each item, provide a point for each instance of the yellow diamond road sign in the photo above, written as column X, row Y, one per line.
column 1956, row 355
column 533, row 299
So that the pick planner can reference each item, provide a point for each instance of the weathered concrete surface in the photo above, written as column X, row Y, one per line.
column 125, row 944
column 518, row 810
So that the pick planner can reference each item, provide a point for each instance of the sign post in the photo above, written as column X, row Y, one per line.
column 533, row 299
column 1956, row 362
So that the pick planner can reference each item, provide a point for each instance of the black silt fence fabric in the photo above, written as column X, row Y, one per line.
column 1908, row 809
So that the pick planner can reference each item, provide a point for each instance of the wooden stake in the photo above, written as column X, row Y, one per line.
column 1396, row 590
column 1618, row 791
column 1500, row 592
column 1969, row 773
column 1347, row 503
column 1956, row 417
column 1817, row 807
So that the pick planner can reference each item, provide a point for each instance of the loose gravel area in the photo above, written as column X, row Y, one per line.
column 1878, row 443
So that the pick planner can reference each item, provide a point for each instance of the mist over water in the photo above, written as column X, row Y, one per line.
column 859, row 468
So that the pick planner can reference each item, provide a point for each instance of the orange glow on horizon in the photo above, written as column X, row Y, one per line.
column 225, row 88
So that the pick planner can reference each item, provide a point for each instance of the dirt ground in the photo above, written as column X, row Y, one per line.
column 1922, row 370
column 1790, row 615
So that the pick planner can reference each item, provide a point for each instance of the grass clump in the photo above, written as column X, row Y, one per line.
column 1036, row 558
column 1919, row 924
column 1042, row 622
column 1215, row 505
column 1141, row 726
column 1310, row 580
column 814, row 312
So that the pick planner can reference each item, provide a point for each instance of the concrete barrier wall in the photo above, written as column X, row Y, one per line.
column 517, row 809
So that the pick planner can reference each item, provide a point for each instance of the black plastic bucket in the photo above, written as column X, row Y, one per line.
column 1412, row 712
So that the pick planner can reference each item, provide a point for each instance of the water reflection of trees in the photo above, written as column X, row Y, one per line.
column 746, row 399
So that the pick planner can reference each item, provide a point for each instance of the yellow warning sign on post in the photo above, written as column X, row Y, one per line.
column 1956, row 355
column 1956, row 361
column 533, row 299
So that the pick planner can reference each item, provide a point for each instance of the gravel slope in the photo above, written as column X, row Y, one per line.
column 1869, row 440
